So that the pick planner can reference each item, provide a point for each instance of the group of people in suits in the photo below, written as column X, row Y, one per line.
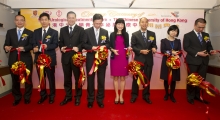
column 74, row 37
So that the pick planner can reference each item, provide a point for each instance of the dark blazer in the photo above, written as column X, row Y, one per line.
column 52, row 44
column 90, row 41
column 112, row 42
column 12, row 40
column 192, row 45
column 75, row 40
column 166, row 46
column 137, row 44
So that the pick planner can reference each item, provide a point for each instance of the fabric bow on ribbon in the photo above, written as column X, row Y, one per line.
column 79, row 60
column 172, row 63
column 100, row 57
column 43, row 61
column 195, row 79
column 19, row 68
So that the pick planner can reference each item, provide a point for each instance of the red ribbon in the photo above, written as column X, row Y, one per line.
column 2, row 80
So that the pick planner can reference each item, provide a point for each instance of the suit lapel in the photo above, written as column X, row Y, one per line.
column 24, row 32
column 100, row 34
column 47, row 33
column 15, row 36
column 142, row 39
column 92, row 34
column 74, row 30
column 195, row 37
column 67, row 31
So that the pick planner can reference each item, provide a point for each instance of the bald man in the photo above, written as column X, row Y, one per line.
column 143, row 43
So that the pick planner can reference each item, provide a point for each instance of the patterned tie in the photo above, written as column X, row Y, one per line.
column 143, row 34
column 19, row 34
column 97, row 36
column 44, row 34
column 200, row 37
column 71, row 31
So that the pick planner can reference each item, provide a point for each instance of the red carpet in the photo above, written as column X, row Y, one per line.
column 140, row 110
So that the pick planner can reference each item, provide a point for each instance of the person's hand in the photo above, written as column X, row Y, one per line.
column 83, row 50
column 145, row 52
column 44, row 45
column 76, row 49
column 177, row 56
column 63, row 49
column 129, row 48
column 20, row 48
column 94, row 48
column 213, row 52
column 174, row 52
column 203, row 53
column 154, row 50
column 115, row 51
column 36, row 49
column 8, row 48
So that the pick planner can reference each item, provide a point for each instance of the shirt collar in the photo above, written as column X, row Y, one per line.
column 45, row 28
column 197, row 32
column 96, row 29
column 22, row 29
column 72, row 26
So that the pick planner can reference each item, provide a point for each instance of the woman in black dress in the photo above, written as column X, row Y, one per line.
column 170, row 45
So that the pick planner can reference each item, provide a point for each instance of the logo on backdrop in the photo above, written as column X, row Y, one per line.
column 48, row 12
column 175, row 13
column 34, row 13
column 58, row 13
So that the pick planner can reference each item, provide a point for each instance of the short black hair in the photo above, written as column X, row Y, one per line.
column 97, row 17
column 21, row 16
column 44, row 14
column 173, row 27
column 201, row 20
column 70, row 12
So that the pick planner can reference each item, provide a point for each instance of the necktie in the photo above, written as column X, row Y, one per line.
column 44, row 34
column 71, row 31
column 200, row 37
column 97, row 36
column 143, row 34
column 19, row 34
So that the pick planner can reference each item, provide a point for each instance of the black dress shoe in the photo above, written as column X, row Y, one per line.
column 166, row 97
column 203, row 101
column 121, row 102
column 90, row 104
column 172, row 99
column 148, row 100
column 26, row 101
column 65, row 101
column 77, row 102
column 51, row 100
column 42, row 99
column 116, row 102
column 190, row 101
column 16, row 102
column 101, row 105
column 133, row 100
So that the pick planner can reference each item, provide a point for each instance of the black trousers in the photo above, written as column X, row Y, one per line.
column 147, row 70
column 16, row 92
column 50, row 73
column 91, row 84
column 194, row 92
column 68, row 69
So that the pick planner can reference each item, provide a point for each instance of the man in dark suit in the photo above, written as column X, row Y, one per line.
column 20, row 38
column 93, row 39
column 49, row 38
column 144, row 45
column 198, row 46
column 71, row 37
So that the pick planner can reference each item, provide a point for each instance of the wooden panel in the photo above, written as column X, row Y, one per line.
column 213, row 70
column 4, row 70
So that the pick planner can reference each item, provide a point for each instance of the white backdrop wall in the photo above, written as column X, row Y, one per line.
column 159, row 21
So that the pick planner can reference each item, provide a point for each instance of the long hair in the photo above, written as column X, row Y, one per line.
column 120, row 20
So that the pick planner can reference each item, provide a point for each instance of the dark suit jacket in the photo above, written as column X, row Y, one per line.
column 192, row 45
column 52, row 43
column 112, row 42
column 12, row 40
column 90, row 41
column 137, row 44
column 75, row 40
